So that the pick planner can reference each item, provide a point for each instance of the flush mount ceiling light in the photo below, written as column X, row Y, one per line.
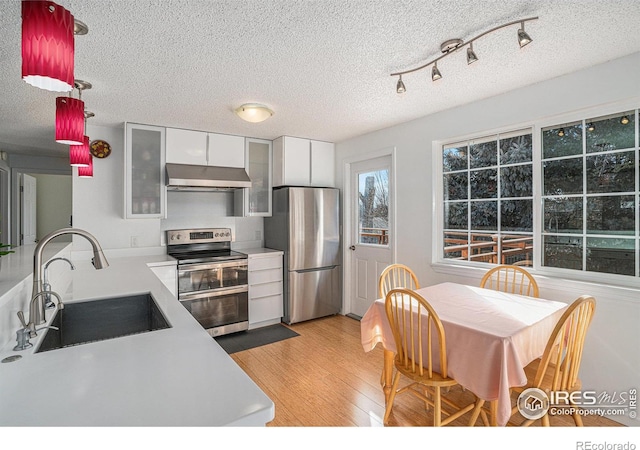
column 254, row 112
column 48, row 45
column 452, row 45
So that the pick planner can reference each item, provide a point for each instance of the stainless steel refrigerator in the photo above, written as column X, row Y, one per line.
column 305, row 224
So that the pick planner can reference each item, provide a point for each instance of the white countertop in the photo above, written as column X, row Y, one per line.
column 260, row 251
column 173, row 377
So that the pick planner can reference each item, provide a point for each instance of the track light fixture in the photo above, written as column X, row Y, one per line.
column 624, row 120
column 435, row 73
column 452, row 45
column 561, row 132
column 591, row 126
column 471, row 55
column 400, row 89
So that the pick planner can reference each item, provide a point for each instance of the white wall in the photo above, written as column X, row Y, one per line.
column 53, row 204
column 611, row 361
column 98, row 207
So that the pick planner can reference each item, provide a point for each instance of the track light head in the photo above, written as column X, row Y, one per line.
column 624, row 120
column 561, row 132
column 523, row 37
column 400, row 88
column 435, row 73
column 591, row 126
column 471, row 55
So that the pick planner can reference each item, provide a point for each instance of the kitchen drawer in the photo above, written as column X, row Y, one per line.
column 268, row 262
column 265, row 276
column 265, row 308
column 265, row 290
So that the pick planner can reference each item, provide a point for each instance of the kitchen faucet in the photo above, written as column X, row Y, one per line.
column 36, row 306
column 46, row 286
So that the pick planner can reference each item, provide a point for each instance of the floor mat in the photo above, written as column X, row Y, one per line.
column 244, row 340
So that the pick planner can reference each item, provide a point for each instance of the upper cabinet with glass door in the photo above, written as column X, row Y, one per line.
column 144, row 171
column 256, row 200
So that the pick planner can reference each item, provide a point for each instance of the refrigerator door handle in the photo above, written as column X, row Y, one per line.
column 316, row 269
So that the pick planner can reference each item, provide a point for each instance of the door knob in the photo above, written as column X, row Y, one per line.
column 353, row 247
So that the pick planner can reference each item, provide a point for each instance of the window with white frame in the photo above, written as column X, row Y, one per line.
column 588, row 179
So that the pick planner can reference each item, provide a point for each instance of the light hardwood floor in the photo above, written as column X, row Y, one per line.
column 324, row 378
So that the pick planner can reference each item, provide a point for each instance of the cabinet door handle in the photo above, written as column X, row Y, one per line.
column 353, row 247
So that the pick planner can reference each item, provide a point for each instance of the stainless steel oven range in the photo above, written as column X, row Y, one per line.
column 212, row 278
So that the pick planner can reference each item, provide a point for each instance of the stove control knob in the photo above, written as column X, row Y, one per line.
column 178, row 237
column 227, row 233
column 217, row 234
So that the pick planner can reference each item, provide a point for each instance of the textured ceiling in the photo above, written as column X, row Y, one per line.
column 322, row 65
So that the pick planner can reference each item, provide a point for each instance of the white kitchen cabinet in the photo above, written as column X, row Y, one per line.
column 303, row 162
column 225, row 150
column 322, row 164
column 256, row 200
column 145, row 191
column 265, row 288
column 186, row 146
column 204, row 149
column 168, row 274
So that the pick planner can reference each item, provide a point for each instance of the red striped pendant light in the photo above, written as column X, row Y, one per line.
column 69, row 121
column 47, row 46
column 86, row 172
column 80, row 155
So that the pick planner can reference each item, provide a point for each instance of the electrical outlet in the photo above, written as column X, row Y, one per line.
column 134, row 241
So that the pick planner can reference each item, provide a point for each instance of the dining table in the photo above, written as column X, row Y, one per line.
column 491, row 336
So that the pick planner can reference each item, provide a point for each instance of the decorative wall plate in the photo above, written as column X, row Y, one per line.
column 100, row 148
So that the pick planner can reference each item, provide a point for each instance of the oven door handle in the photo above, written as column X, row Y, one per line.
column 214, row 293
column 206, row 266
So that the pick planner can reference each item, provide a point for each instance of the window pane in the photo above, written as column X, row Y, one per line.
column 612, row 133
column 516, row 149
column 483, row 183
column 563, row 176
column 611, row 256
column 517, row 248
column 562, row 141
column 455, row 186
column 484, row 155
column 454, row 159
column 611, row 215
column 611, row 172
column 516, row 181
column 516, row 215
column 562, row 215
column 484, row 248
column 374, row 207
column 563, row 251
column 456, row 215
column 456, row 245
column 484, row 216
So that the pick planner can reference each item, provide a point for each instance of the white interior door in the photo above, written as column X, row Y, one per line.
column 371, row 234
column 28, row 209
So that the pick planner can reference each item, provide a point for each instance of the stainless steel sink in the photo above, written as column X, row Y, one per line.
column 99, row 320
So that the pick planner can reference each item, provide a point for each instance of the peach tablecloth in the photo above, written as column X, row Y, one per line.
column 491, row 336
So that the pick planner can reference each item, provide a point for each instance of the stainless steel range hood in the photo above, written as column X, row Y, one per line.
column 187, row 177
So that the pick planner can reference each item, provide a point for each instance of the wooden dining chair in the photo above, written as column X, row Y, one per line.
column 558, row 368
column 421, row 354
column 511, row 279
column 396, row 276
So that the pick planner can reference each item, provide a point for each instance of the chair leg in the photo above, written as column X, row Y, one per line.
column 476, row 412
column 437, row 407
column 577, row 418
column 392, row 397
